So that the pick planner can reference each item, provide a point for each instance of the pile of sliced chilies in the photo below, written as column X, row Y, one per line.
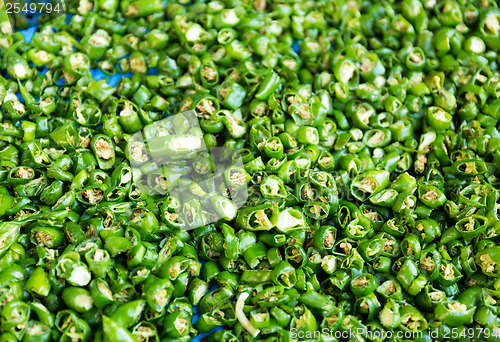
column 371, row 158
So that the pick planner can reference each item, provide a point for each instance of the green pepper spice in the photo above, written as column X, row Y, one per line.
column 339, row 171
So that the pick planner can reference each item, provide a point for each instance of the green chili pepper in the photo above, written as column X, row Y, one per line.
column 453, row 313
column 367, row 163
